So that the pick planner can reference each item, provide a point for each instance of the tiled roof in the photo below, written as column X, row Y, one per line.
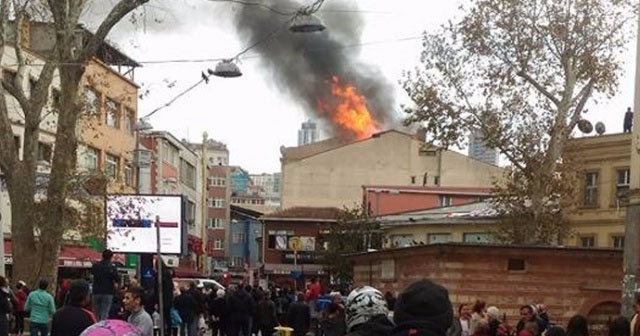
column 301, row 212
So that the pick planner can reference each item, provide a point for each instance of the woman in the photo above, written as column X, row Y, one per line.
column 478, row 315
column 5, row 306
column 578, row 326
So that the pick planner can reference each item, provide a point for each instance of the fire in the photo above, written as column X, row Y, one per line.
column 348, row 110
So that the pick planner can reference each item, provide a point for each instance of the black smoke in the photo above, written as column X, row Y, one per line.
column 300, row 64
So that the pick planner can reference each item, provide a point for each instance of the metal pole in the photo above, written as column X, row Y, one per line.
column 2, row 266
column 159, row 262
column 295, row 267
column 205, row 207
column 630, row 256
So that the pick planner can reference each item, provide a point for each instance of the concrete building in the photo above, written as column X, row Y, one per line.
column 567, row 280
column 308, row 133
column 218, row 203
column 271, row 188
column 479, row 150
column 240, row 180
column 385, row 200
column 331, row 173
column 245, row 248
column 175, row 169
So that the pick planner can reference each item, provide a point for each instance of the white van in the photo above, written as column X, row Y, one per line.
column 200, row 282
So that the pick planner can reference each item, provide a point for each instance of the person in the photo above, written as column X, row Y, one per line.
column 422, row 308
column 391, row 300
column 240, row 306
column 619, row 326
column 73, row 318
column 478, row 313
column 366, row 313
column 299, row 316
column 186, row 306
column 493, row 314
column 40, row 305
column 578, row 326
column 333, row 321
column 460, row 325
column 105, row 282
column 138, row 316
column 528, row 314
column 20, row 295
column 5, row 306
column 266, row 318
column 217, row 311
column 628, row 121
column 314, row 292
column 558, row 331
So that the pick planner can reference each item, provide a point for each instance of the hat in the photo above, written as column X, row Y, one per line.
column 22, row 283
column 494, row 312
column 426, row 303
column 362, row 304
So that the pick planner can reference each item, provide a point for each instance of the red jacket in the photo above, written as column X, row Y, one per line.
column 21, row 299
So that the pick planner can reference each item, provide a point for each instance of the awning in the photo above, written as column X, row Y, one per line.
column 308, row 269
column 70, row 256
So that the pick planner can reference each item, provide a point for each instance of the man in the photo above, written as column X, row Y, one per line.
column 528, row 314
column 628, row 121
column 41, row 306
column 299, row 316
column 240, row 307
column 73, row 318
column 105, row 281
column 314, row 292
column 186, row 305
column 461, row 324
column 138, row 316
column 423, row 308
column 366, row 313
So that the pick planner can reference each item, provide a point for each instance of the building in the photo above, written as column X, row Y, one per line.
column 105, row 131
column 240, row 180
column 218, row 203
column 308, row 133
column 271, row 188
column 305, row 226
column 479, row 150
column 567, row 280
column 384, row 200
column 331, row 173
column 175, row 169
column 245, row 248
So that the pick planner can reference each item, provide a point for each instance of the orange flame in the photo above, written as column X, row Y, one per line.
column 348, row 110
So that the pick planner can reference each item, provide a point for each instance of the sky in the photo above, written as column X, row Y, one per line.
column 176, row 40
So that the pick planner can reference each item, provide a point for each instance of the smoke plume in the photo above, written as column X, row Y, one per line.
column 302, row 64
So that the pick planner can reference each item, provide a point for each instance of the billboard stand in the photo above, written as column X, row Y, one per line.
column 159, row 263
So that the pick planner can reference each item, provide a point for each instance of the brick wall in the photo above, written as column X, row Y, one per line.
column 567, row 280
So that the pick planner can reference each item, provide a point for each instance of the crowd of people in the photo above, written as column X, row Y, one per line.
column 422, row 308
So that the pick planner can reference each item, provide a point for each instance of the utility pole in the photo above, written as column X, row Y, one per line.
column 205, row 207
column 630, row 257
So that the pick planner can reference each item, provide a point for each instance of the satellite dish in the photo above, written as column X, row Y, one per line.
column 585, row 126
column 600, row 128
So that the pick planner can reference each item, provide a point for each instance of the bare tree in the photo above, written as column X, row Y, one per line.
column 50, row 218
column 521, row 73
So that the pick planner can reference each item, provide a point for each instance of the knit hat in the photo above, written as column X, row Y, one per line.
column 362, row 304
column 425, row 303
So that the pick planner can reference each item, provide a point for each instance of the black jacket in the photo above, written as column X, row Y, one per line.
column 105, row 278
column 378, row 325
column 186, row 306
column 266, row 314
column 417, row 328
column 240, row 305
column 299, row 318
column 218, row 307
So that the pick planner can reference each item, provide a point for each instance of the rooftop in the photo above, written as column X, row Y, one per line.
column 305, row 213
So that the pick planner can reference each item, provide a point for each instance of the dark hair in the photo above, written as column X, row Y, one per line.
column 301, row 297
column 556, row 331
column 136, row 292
column 619, row 326
column 43, row 284
column 527, row 307
column 577, row 326
column 78, row 292
column 479, row 306
column 3, row 281
column 107, row 254
column 462, row 305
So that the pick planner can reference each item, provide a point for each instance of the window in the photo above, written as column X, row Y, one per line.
column 190, row 212
column 91, row 156
column 402, row 240
column 215, row 203
column 591, row 189
column 515, row 265
column 473, row 237
column 445, row 200
column 617, row 242
column 622, row 184
column 44, row 152
column 588, row 241
column 170, row 154
column 128, row 175
column 413, row 180
column 435, row 238
column 112, row 117
column 215, row 223
column 91, row 101
column 238, row 238
column 111, row 166
column 129, row 120
column 218, row 181
column 187, row 174
column 237, row 262
column 217, row 244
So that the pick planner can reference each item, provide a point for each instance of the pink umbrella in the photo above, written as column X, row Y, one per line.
column 111, row 328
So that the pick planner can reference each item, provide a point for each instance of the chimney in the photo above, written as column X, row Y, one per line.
column 421, row 134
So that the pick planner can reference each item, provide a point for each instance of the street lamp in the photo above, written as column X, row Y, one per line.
column 306, row 23
column 227, row 69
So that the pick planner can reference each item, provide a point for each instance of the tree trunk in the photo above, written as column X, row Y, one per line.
column 21, row 191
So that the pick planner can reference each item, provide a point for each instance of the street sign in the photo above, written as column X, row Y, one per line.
column 295, row 243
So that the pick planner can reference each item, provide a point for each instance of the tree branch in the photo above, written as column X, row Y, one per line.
column 538, row 87
column 584, row 94
column 120, row 10
column 8, row 150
